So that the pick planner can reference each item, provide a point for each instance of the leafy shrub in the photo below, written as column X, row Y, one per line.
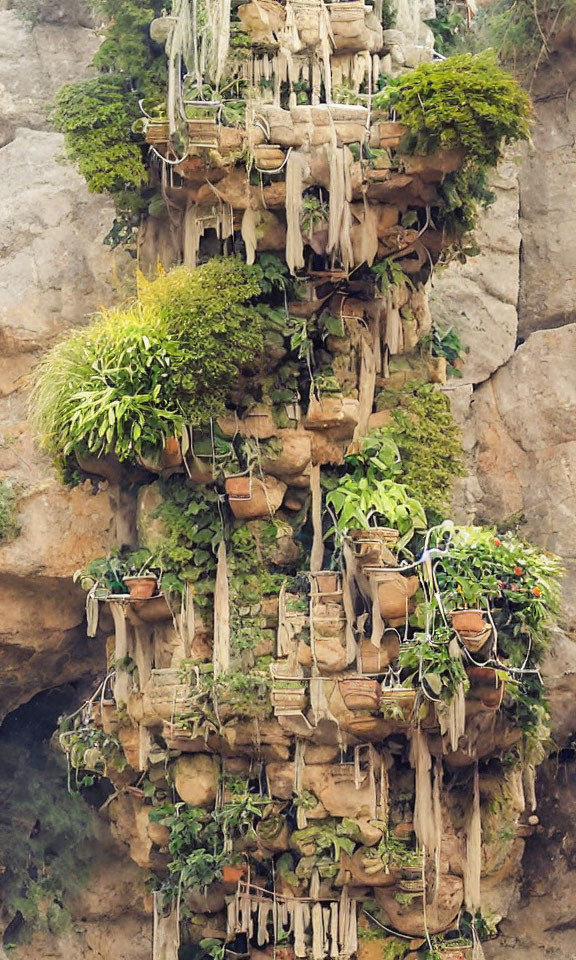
column 95, row 116
column 9, row 526
column 430, row 446
column 465, row 101
column 141, row 371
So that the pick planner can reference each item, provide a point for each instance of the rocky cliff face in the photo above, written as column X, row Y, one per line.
column 54, row 270
column 515, row 402
column 513, row 305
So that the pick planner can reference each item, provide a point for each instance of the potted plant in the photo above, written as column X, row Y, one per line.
column 361, row 502
column 360, row 693
column 314, row 222
column 142, row 583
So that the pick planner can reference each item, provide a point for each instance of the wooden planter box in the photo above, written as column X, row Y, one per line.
column 289, row 699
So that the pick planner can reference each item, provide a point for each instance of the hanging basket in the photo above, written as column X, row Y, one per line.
column 293, row 698
column 463, row 952
column 326, row 585
column 156, row 132
column 395, row 699
column 412, row 886
column 394, row 593
column 468, row 622
column 203, row 121
column 360, row 694
column 372, row 547
column 160, row 28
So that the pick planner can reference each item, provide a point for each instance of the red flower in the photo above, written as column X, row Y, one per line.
column 518, row 571
column 497, row 541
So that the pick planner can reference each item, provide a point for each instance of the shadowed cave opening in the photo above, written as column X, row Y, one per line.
column 43, row 827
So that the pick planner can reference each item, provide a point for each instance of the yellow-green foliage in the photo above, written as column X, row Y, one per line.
column 141, row 371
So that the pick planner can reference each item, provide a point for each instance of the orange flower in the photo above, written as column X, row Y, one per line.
column 536, row 591
column 518, row 571
column 497, row 541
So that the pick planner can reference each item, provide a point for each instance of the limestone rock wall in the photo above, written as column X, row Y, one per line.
column 54, row 270
column 514, row 307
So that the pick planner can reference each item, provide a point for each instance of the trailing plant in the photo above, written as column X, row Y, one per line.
column 445, row 343
column 465, row 102
column 196, row 846
column 96, row 115
column 429, row 445
column 192, row 531
column 89, row 751
column 140, row 372
column 9, row 526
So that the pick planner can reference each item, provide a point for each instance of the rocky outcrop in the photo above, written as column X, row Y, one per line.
column 547, row 201
column 479, row 297
column 54, row 270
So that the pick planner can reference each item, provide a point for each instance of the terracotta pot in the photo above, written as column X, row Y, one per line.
column 371, row 548
column 141, row 588
column 492, row 696
column 482, row 676
column 456, row 953
column 468, row 621
column 336, row 412
column 251, row 498
column 233, row 874
column 360, row 694
column 404, row 829
column 394, row 592
column 171, row 454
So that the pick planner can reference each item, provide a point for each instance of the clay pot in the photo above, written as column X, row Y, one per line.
column 372, row 547
column 402, row 697
column 141, row 588
column 233, row 873
column 471, row 628
column 360, row 694
column 333, row 413
column 468, row 621
column 394, row 592
column 456, row 953
column 171, row 454
column 251, row 498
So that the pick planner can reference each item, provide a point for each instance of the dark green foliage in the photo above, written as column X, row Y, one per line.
column 45, row 836
column 193, row 530
column 465, row 102
column 429, row 442
column 465, row 193
column 95, row 117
